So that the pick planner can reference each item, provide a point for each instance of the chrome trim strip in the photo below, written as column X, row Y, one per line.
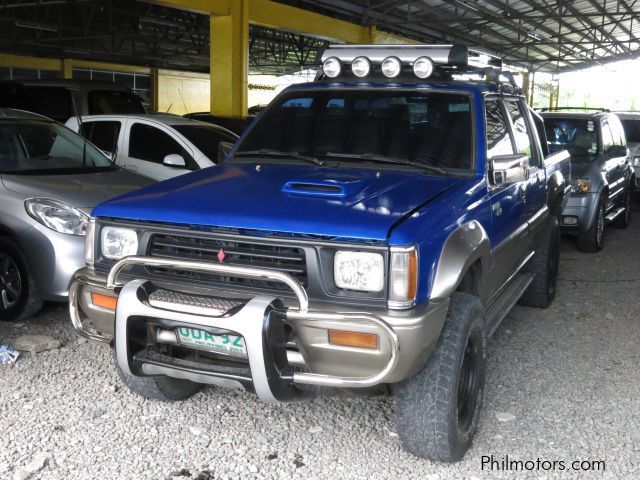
column 538, row 214
column 75, row 314
column 247, row 272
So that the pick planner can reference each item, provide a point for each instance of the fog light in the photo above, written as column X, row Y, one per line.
column 423, row 67
column 569, row 220
column 361, row 66
column 353, row 339
column 104, row 301
column 391, row 67
column 332, row 67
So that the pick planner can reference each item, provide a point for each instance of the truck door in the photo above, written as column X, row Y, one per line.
column 508, row 225
column 526, row 143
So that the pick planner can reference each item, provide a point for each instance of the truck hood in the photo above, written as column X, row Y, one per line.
column 83, row 191
column 303, row 200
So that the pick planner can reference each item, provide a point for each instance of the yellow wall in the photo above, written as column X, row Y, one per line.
column 182, row 92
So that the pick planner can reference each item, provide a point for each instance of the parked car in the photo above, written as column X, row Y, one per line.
column 50, row 180
column 603, row 175
column 62, row 99
column 359, row 236
column 235, row 124
column 158, row 146
column 631, row 124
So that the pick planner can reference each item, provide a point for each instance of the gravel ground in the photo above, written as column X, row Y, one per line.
column 563, row 384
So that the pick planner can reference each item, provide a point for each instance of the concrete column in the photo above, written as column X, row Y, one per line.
column 229, row 60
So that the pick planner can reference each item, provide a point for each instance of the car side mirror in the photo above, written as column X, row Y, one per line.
column 508, row 169
column 223, row 150
column 174, row 160
column 617, row 151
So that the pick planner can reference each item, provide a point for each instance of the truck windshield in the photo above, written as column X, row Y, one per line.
column 37, row 147
column 398, row 128
column 576, row 135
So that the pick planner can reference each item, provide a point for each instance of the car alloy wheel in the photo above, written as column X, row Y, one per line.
column 10, row 282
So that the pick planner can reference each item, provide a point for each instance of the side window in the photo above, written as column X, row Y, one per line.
column 607, row 136
column 498, row 139
column 520, row 130
column 152, row 144
column 103, row 135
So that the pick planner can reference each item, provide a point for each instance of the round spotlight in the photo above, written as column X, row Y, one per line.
column 331, row 67
column 391, row 67
column 423, row 67
column 361, row 66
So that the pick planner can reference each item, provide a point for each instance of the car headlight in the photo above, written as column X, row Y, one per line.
column 57, row 215
column 581, row 185
column 403, row 277
column 362, row 271
column 118, row 242
column 636, row 162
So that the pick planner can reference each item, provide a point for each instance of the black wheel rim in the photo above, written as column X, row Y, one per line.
column 10, row 282
column 468, row 385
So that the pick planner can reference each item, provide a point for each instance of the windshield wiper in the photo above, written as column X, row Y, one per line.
column 269, row 152
column 374, row 157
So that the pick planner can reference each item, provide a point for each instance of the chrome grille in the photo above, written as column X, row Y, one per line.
column 282, row 258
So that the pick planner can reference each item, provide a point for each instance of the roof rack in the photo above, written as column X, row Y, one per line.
column 411, row 62
column 559, row 109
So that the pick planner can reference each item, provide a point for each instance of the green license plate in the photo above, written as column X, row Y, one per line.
column 229, row 344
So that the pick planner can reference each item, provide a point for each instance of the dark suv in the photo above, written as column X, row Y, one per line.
column 602, row 174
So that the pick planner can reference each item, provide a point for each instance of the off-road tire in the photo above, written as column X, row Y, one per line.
column 27, row 303
column 428, row 421
column 165, row 389
column 591, row 241
column 624, row 220
column 544, row 266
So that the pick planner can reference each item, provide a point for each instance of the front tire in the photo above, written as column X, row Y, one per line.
column 162, row 388
column 593, row 239
column 19, row 298
column 437, row 409
column 544, row 267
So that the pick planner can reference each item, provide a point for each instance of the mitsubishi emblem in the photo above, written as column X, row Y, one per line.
column 221, row 255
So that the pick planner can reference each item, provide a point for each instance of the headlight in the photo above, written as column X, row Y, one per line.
column 118, row 242
column 89, row 243
column 581, row 185
column 403, row 277
column 57, row 215
column 362, row 271
column 636, row 162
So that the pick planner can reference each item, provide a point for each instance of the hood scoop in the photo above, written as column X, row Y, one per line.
column 326, row 187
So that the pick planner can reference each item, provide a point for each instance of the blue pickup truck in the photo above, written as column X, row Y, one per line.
column 368, row 233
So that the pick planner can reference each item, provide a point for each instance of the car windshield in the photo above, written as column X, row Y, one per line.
column 205, row 138
column 424, row 130
column 578, row 136
column 40, row 147
column 631, row 130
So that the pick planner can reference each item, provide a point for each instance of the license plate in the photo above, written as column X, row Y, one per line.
column 229, row 344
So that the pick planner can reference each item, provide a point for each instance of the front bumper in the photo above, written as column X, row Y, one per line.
column 579, row 212
column 278, row 369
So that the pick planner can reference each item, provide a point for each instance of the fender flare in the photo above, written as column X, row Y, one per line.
column 463, row 247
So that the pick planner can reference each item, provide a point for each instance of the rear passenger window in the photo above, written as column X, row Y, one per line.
column 498, row 140
column 520, row 131
column 103, row 135
column 151, row 144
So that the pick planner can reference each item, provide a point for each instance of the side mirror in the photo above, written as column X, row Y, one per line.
column 223, row 150
column 508, row 169
column 617, row 151
column 174, row 160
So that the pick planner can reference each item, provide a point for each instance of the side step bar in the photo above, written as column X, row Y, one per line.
column 613, row 214
column 499, row 306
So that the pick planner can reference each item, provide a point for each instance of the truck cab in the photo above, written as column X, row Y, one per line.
column 367, row 233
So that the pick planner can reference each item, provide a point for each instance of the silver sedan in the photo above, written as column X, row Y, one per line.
column 50, row 181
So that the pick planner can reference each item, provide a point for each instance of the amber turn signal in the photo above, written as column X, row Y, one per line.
column 104, row 301
column 353, row 339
